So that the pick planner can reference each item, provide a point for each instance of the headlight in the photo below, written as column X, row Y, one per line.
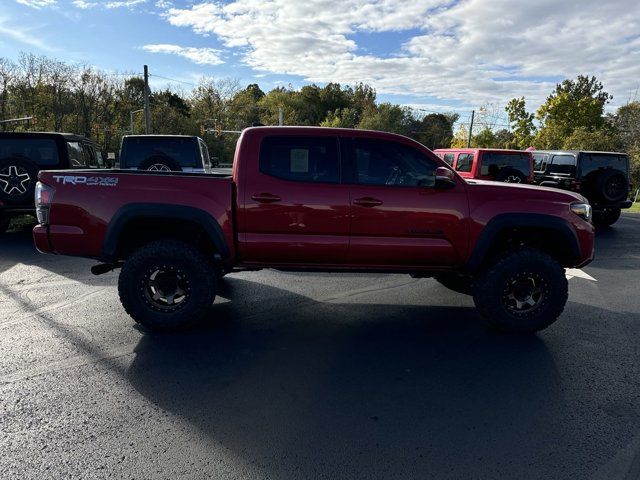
column 583, row 210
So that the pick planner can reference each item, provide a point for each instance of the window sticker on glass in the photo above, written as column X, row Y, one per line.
column 299, row 160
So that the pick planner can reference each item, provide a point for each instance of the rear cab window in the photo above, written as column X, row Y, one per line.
column 301, row 158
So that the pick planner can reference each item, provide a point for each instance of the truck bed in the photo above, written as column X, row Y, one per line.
column 87, row 201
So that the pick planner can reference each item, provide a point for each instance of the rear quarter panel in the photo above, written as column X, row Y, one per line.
column 80, row 213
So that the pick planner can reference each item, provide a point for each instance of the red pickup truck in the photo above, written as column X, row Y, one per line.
column 306, row 198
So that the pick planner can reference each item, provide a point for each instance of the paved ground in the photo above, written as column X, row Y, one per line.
column 317, row 376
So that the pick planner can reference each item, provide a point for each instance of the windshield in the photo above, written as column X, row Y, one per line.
column 139, row 150
column 493, row 162
column 41, row 151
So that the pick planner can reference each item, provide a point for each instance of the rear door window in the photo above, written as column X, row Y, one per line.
column 540, row 161
column 563, row 165
column 465, row 162
column 448, row 157
column 76, row 155
column 90, row 156
column 301, row 159
column 381, row 162
column 41, row 151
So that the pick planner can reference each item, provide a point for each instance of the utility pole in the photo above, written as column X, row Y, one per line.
column 473, row 112
column 147, row 114
column 280, row 116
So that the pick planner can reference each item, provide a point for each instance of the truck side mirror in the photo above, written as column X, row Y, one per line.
column 444, row 178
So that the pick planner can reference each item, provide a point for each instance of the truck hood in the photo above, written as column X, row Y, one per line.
column 523, row 191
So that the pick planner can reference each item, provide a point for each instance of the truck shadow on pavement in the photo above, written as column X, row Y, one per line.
column 17, row 247
column 302, row 389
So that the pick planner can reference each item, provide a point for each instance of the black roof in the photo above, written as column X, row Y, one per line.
column 575, row 152
column 70, row 137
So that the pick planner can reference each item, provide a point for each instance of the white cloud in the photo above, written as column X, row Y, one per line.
column 201, row 56
column 474, row 51
column 37, row 3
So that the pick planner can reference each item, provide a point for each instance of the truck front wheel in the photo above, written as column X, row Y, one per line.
column 167, row 284
column 523, row 291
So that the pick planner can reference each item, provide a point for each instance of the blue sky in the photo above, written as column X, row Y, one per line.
column 433, row 54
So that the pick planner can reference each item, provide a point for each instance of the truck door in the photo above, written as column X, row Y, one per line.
column 399, row 217
column 295, row 210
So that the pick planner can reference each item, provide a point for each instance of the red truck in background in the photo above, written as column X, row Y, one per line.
column 511, row 166
column 307, row 198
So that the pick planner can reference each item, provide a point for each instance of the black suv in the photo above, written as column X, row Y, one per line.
column 24, row 154
column 602, row 177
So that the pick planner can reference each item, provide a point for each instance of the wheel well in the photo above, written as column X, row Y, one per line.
column 140, row 231
column 549, row 240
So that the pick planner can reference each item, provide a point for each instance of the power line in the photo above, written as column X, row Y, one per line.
column 172, row 79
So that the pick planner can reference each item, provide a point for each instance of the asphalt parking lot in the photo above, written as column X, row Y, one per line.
column 299, row 376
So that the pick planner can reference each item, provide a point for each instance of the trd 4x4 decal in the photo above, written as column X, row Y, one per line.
column 89, row 181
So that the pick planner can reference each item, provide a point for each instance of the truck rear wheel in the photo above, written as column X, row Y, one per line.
column 167, row 285
column 523, row 291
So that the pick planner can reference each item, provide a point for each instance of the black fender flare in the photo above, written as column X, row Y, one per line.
column 161, row 211
column 533, row 221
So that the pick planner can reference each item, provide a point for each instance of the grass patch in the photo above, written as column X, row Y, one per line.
column 635, row 208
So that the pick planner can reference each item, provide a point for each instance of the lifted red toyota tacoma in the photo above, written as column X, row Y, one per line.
column 305, row 198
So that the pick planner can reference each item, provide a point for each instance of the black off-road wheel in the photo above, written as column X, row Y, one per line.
column 606, row 217
column 524, row 291
column 612, row 185
column 167, row 285
column 457, row 283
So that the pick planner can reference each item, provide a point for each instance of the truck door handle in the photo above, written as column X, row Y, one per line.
column 367, row 202
column 265, row 198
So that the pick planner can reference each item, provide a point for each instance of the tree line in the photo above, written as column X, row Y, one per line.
column 77, row 98
column 104, row 106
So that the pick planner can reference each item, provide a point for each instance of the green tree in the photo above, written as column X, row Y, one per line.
column 341, row 118
column 521, row 123
column 573, row 104
column 434, row 130
column 387, row 117
column 583, row 139
column 484, row 139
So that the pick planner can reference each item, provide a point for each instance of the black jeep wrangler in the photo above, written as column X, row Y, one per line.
column 602, row 177
column 24, row 154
